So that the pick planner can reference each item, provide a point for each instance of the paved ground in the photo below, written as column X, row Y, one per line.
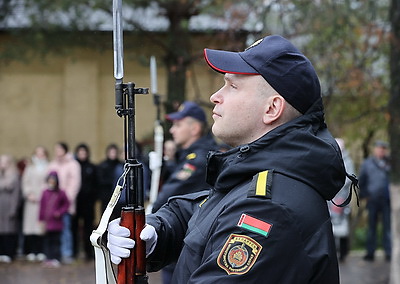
column 353, row 271
column 357, row 271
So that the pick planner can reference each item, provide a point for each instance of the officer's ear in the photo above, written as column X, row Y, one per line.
column 196, row 127
column 274, row 108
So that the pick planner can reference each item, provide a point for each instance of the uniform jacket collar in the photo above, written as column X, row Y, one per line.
column 302, row 149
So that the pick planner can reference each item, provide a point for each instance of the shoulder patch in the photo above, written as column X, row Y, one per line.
column 191, row 156
column 238, row 254
column 254, row 225
column 186, row 171
column 261, row 185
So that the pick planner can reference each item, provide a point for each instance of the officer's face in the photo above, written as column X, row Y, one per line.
column 184, row 131
column 239, row 108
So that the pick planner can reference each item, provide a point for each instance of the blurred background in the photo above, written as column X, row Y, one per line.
column 57, row 84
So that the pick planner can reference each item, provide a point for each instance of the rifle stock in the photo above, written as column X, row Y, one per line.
column 133, row 269
column 126, row 267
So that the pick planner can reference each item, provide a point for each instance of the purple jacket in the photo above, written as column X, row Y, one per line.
column 53, row 204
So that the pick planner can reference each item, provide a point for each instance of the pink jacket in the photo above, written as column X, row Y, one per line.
column 69, row 175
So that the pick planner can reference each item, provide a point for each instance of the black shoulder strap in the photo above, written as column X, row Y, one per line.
column 261, row 185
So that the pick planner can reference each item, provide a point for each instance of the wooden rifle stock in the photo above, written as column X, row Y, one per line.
column 133, row 269
column 126, row 268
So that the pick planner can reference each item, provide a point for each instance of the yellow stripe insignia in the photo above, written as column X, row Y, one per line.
column 191, row 156
column 261, row 186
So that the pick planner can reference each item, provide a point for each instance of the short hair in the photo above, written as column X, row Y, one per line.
column 83, row 146
column 64, row 146
column 203, row 125
column 290, row 112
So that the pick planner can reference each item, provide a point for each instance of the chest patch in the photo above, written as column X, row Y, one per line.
column 239, row 254
column 186, row 172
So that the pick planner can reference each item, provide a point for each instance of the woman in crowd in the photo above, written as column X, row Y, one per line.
column 9, row 203
column 33, row 185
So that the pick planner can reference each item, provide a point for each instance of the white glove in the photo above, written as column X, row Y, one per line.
column 120, row 244
column 155, row 162
column 149, row 235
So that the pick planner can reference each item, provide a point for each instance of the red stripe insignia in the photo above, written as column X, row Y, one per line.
column 254, row 225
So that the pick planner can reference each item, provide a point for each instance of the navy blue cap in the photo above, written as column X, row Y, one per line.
column 380, row 143
column 281, row 64
column 188, row 109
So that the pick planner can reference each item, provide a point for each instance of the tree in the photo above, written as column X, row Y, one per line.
column 347, row 41
column 394, row 133
column 53, row 23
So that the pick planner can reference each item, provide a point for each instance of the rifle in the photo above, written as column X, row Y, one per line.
column 158, row 139
column 131, row 270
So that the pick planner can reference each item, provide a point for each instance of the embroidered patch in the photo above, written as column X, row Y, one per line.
column 191, row 156
column 185, row 172
column 239, row 254
column 254, row 225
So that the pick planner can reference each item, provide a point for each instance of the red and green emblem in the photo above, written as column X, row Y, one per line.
column 254, row 225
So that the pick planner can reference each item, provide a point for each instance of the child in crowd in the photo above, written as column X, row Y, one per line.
column 53, row 205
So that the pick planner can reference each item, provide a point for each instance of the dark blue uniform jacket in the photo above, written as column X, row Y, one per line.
column 265, row 218
column 189, row 174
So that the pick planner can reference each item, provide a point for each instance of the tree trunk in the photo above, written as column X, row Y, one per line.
column 394, row 134
column 178, row 55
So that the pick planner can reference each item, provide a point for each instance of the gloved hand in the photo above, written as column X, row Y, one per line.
column 149, row 235
column 120, row 244
column 155, row 161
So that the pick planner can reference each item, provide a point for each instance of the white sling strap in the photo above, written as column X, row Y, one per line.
column 104, row 270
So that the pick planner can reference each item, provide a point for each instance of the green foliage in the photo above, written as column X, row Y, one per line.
column 6, row 7
column 359, row 238
column 346, row 40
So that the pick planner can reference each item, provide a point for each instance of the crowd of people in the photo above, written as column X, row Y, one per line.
column 48, row 206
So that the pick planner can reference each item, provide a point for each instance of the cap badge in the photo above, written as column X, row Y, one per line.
column 255, row 44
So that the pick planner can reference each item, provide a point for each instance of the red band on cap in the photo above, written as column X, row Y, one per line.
column 224, row 71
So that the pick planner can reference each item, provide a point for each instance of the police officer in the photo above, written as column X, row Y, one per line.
column 190, row 134
column 265, row 217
